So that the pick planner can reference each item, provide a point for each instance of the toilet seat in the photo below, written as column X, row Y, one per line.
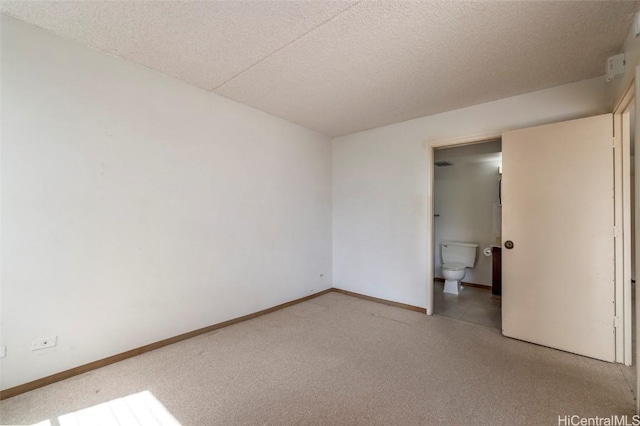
column 453, row 266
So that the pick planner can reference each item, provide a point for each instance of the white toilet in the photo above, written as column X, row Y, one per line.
column 457, row 256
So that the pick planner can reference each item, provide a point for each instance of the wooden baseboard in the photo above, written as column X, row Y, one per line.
column 26, row 387
column 383, row 301
column 480, row 286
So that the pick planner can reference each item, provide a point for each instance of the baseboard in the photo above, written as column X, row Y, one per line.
column 480, row 286
column 383, row 301
column 26, row 387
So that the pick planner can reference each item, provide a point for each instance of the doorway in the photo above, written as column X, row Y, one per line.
column 467, row 209
column 622, row 322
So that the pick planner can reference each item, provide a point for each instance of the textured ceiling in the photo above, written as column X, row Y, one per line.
column 343, row 66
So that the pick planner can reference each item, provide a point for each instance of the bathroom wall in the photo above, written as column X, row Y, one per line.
column 466, row 200
column 136, row 207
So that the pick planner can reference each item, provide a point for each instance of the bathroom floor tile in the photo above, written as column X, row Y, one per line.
column 477, row 314
column 455, row 312
column 472, row 305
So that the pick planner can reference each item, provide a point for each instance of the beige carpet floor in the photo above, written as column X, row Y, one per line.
column 337, row 360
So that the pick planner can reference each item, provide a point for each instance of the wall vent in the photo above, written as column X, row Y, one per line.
column 443, row 163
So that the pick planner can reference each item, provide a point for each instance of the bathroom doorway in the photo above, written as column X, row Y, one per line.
column 466, row 203
column 621, row 323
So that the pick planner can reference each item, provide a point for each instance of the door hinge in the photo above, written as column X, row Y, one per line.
column 616, row 231
column 616, row 322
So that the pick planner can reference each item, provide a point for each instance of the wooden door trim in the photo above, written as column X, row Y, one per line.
column 622, row 175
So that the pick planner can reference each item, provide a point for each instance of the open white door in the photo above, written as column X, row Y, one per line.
column 558, row 212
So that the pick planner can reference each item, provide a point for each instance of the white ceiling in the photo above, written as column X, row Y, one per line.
column 343, row 66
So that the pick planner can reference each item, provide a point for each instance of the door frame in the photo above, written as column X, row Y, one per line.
column 636, row 91
column 431, row 146
column 622, row 208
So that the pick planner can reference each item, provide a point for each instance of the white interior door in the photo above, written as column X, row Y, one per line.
column 557, row 209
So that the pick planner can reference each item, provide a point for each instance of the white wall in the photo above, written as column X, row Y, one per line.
column 136, row 207
column 467, row 203
column 381, row 186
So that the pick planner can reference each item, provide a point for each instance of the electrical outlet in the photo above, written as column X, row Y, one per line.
column 43, row 343
column 3, row 351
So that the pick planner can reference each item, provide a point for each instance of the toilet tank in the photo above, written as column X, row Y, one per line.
column 459, row 252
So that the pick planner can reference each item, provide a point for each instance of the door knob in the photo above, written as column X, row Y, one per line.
column 508, row 244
